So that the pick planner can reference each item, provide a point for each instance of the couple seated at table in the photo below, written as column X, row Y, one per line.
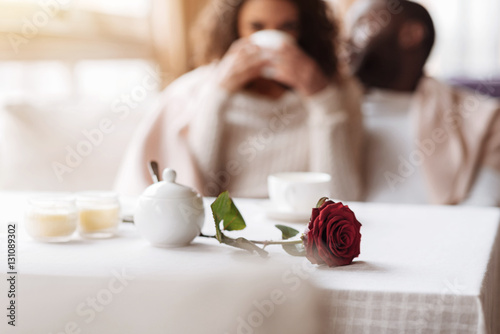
column 249, row 111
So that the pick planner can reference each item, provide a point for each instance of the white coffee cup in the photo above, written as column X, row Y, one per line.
column 297, row 191
column 269, row 40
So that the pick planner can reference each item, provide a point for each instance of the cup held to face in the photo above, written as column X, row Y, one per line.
column 270, row 40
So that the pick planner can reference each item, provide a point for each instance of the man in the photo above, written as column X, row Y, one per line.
column 428, row 142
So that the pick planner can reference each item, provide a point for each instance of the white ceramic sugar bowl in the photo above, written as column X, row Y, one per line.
column 169, row 214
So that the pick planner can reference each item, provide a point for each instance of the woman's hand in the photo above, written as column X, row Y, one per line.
column 241, row 64
column 294, row 68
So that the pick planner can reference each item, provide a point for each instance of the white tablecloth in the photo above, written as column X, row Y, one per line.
column 422, row 269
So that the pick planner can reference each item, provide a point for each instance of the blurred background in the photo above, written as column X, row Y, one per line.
column 69, row 66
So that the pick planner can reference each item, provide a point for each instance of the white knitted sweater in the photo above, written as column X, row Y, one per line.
column 234, row 142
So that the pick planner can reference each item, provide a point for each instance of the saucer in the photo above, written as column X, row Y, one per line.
column 285, row 215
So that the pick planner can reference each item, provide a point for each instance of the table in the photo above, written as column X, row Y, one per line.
column 422, row 269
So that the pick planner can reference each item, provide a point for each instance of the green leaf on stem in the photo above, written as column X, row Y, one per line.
column 287, row 232
column 294, row 249
column 321, row 202
column 224, row 210
column 245, row 244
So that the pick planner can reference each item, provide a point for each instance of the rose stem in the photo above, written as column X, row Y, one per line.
column 282, row 242
column 265, row 243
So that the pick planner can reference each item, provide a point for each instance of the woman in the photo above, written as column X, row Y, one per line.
column 246, row 112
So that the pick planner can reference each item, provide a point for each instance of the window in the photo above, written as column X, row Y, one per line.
column 468, row 38
column 65, row 47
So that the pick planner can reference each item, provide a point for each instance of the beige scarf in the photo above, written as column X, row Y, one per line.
column 458, row 132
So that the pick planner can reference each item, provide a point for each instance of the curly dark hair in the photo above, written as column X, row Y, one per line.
column 217, row 29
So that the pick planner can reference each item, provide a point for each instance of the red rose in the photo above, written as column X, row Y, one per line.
column 333, row 236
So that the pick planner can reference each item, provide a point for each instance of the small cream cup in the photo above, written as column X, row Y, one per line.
column 51, row 218
column 99, row 214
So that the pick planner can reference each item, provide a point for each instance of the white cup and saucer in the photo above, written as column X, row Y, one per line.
column 293, row 195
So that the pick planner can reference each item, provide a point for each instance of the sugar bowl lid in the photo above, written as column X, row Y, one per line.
column 168, row 188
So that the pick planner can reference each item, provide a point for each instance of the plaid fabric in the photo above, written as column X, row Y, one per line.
column 366, row 312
